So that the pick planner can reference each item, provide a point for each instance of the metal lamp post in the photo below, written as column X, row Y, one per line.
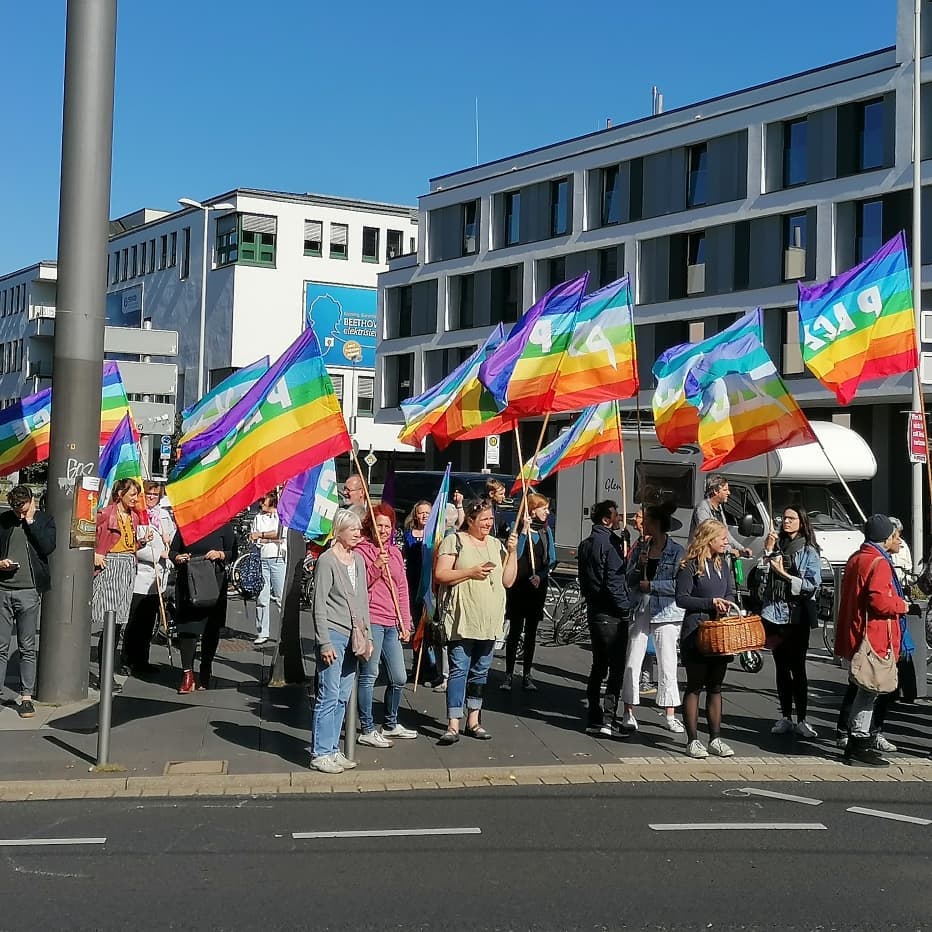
column 206, row 208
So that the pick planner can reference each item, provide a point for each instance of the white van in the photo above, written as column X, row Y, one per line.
column 798, row 475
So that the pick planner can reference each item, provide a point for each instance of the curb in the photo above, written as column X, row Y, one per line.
column 633, row 770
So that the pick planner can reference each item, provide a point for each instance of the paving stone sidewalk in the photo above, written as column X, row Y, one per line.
column 243, row 736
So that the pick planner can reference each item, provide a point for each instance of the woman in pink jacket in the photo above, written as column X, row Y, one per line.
column 389, row 614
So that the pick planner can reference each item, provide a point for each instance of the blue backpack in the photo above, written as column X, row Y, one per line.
column 247, row 574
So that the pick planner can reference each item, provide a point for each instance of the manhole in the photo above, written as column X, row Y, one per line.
column 176, row 768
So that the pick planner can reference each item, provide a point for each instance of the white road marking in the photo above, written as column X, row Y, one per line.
column 895, row 816
column 28, row 842
column 769, row 794
column 735, row 826
column 389, row 833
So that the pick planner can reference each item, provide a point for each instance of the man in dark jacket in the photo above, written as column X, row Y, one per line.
column 604, row 586
column 27, row 537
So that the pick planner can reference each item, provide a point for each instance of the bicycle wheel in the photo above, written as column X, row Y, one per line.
column 828, row 635
column 571, row 627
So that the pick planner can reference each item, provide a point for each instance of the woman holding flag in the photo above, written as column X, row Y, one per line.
column 387, row 586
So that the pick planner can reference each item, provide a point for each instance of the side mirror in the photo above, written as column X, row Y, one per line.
column 750, row 528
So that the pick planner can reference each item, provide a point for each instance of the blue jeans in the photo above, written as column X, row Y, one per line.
column 385, row 647
column 334, row 685
column 469, row 669
column 273, row 576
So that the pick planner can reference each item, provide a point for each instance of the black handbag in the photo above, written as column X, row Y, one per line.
column 203, row 585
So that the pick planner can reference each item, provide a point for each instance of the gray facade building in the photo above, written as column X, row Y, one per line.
column 713, row 209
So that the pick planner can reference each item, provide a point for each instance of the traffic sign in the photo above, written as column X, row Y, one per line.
column 370, row 459
column 917, row 437
column 165, row 447
column 492, row 450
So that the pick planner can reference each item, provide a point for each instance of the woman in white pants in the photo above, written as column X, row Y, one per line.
column 652, row 569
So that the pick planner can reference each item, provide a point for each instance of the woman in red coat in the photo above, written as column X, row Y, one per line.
column 870, row 606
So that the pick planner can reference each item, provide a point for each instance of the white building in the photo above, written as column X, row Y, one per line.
column 713, row 209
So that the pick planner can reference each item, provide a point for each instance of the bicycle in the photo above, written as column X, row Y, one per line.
column 570, row 620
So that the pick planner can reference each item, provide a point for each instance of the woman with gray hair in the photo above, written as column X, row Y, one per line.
column 902, row 560
column 341, row 600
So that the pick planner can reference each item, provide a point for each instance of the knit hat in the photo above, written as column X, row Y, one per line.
column 878, row 528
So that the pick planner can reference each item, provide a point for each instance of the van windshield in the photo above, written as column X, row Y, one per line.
column 825, row 509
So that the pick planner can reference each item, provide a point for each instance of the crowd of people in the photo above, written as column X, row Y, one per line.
column 489, row 581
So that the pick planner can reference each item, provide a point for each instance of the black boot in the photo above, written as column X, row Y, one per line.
column 859, row 752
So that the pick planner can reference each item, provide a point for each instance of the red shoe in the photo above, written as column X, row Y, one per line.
column 187, row 682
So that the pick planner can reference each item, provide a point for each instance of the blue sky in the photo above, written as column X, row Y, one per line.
column 372, row 99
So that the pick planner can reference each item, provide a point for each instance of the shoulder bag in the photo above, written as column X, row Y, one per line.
column 360, row 642
column 438, row 630
column 203, row 586
column 869, row 670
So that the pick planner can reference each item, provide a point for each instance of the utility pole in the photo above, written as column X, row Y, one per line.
column 83, row 225
column 288, row 661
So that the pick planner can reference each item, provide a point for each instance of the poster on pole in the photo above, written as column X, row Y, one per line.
column 917, row 443
column 84, row 513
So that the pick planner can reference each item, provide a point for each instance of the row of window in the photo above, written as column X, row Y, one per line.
column 365, row 393
column 338, row 245
column 11, row 356
column 13, row 300
column 150, row 256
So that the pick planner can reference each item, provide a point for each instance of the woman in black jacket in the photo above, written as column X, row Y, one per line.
column 704, row 588
column 204, row 622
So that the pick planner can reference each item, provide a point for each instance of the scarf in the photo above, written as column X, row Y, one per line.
column 790, row 548
column 906, row 642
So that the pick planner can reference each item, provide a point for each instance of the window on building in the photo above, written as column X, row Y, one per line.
column 143, row 253
column 697, row 175
column 792, row 362
column 173, row 249
column 226, row 239
column 470, row 228
column 794, row 246
column 560, row 207
column 313, row 237
column 151, row 255
column 339, row 241
column 412, row 244
column 337, row 381
column 365, row 396
column 870, row 134
column 370, row 244
column 795, row 152
column 696, row 331
column 115, row 268
column 394, row 243
column 124, row 264
column 695, row 262
column 466, row 301
column 398, row 378
column 163, row 251
column 608, row 265
column 869, row 232
column 258, row 235
column 611, row 195
column 134, row 262
column 185, row 270
column 405, row 310
column 556, row 271
column 512, row 224
column 507, row 286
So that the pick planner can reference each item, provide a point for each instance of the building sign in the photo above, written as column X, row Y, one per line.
column 124, row 308
column 917, row 437
column 342, row 315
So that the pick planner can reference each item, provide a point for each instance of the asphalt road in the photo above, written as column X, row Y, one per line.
column 543, row 858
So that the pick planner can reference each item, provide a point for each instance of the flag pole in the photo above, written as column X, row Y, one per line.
column 917, row 401
column 841, row 479
column 621, row 465
column 523, row 509
column 770, row 490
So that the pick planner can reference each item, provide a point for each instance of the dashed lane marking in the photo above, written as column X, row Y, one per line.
column 769, row 794
column 894, row 816
column 736, row 826
column 389, row 833
column 29, row 842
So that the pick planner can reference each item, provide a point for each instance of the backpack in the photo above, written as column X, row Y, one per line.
column 247, row 574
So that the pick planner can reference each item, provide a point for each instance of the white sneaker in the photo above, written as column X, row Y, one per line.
column 374, row 740
column 260, row 641
column 326, row 764
column 880, row 743
column 674, row 724
column 696, row 749
column 398, row 731
column 629, row 722
column 805, row 730
column 344, row 761
column 783, row 727
column 720, row 749
column 599, row 731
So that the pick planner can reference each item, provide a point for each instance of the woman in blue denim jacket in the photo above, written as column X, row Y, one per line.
column 652, row 569
column 790, row 613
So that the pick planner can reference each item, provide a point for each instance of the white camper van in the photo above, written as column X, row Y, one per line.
column 798, row 475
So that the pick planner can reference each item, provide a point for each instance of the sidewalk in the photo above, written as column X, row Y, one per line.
column 242, row 736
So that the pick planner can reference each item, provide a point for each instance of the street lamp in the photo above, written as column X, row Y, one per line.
column 190, row 202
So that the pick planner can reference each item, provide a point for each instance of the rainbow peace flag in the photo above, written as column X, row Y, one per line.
column 521, row 374
column 433, row 534
column 430, row 410
column 201, row 415
column 309, row 502
column 860, row 325
column 675, row 420
column 113, row 403
column 24, row 432
column 595, row 432
column 745, row 409
column 288, row 422
column 119, row 458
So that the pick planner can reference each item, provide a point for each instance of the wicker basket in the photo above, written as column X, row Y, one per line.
column 731, row 634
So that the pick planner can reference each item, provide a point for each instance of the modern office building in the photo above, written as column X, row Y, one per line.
column 712, row 209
